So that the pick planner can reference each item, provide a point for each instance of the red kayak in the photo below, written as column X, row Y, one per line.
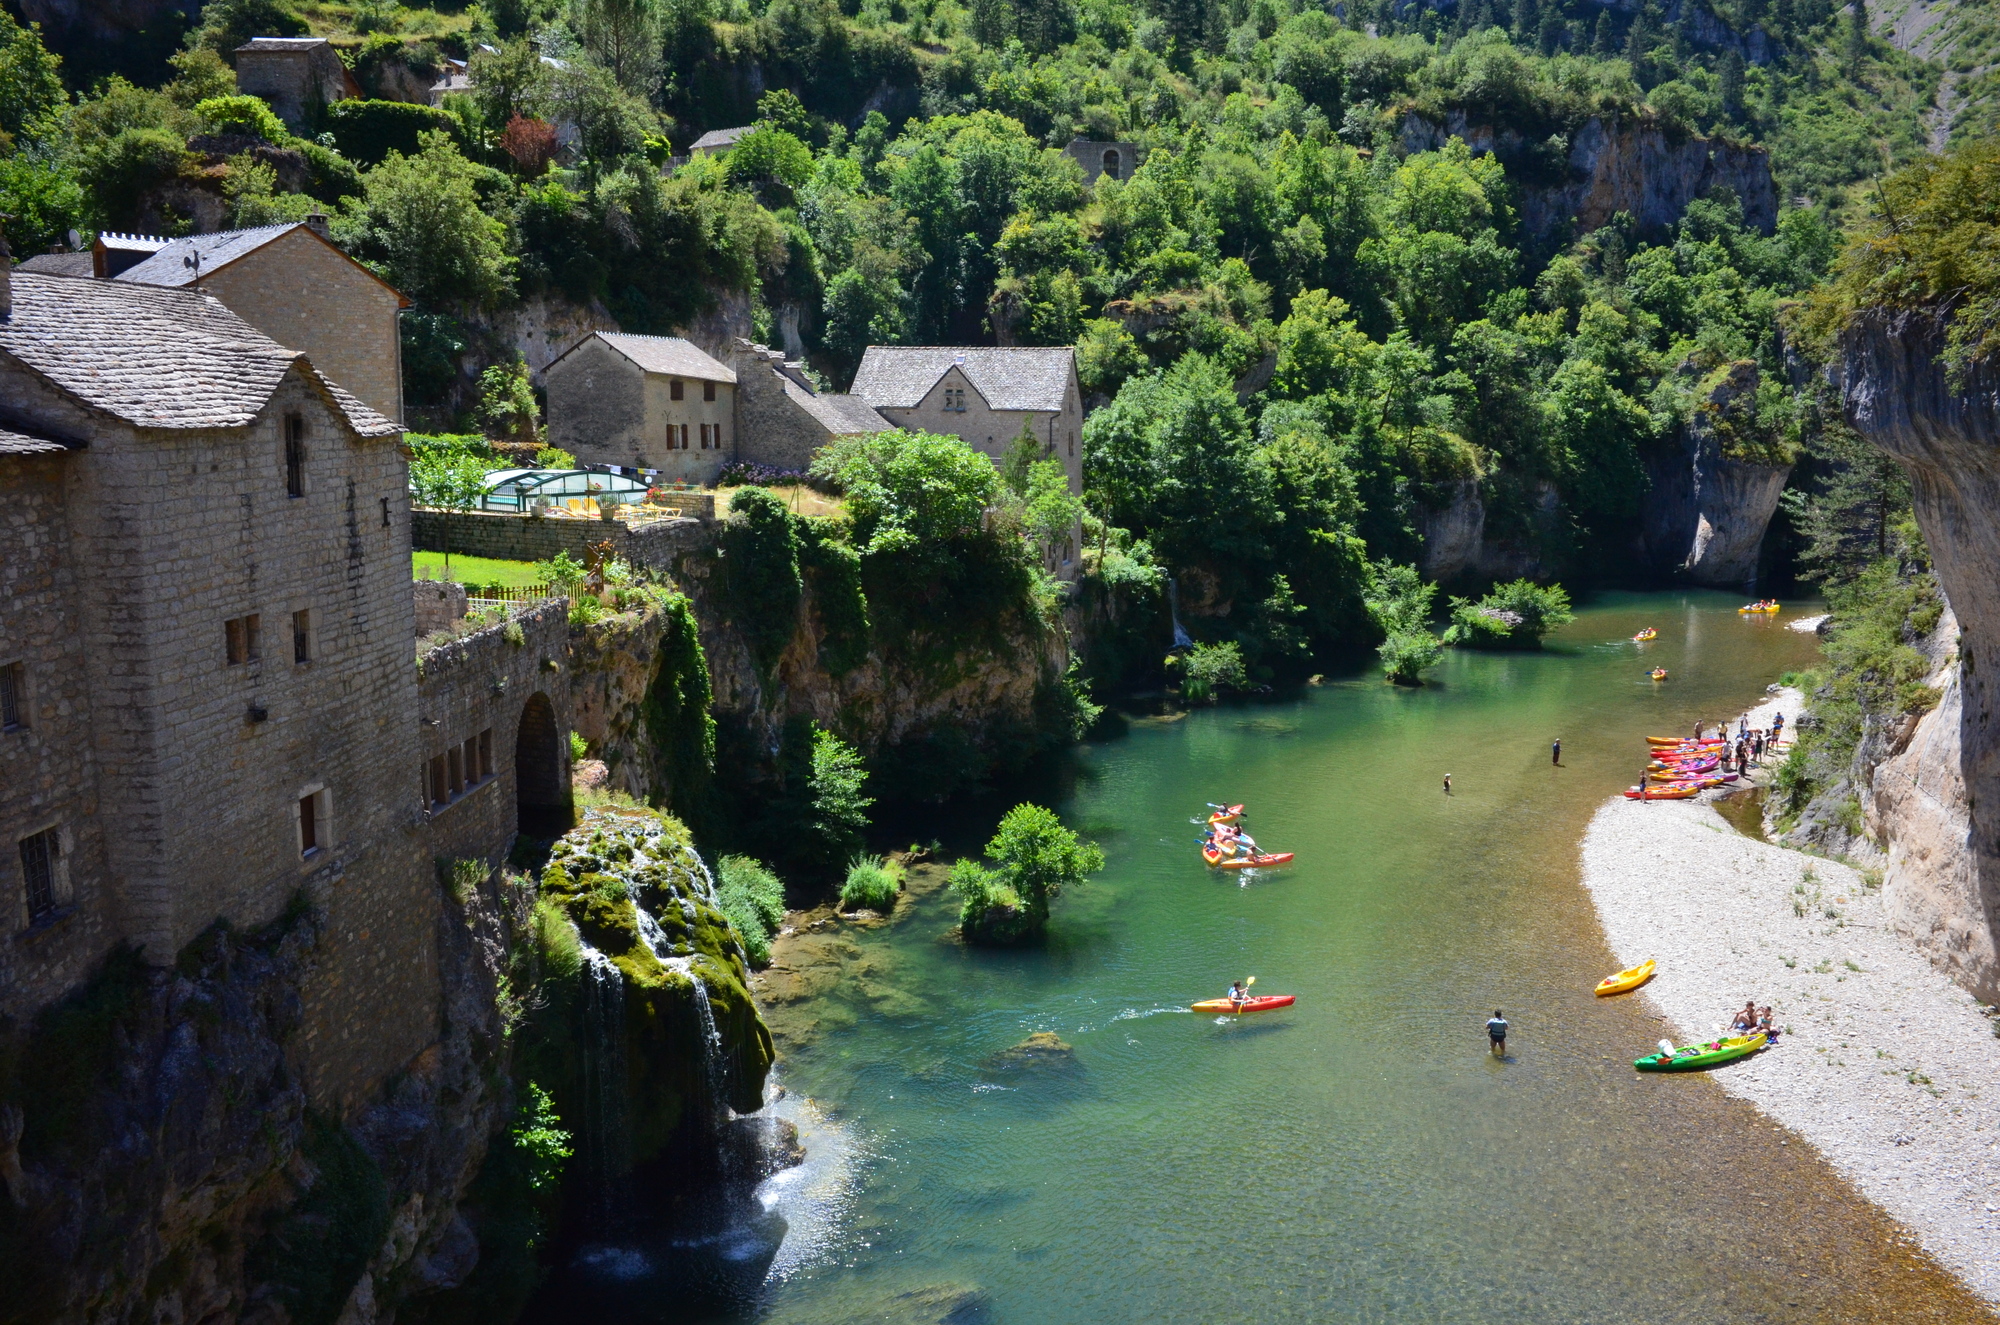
column 1262, row 1003
column 1217, row 860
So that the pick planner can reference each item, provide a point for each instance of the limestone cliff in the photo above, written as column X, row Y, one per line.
column 1936, row 801
column 1457, row 547
column 1606, row 166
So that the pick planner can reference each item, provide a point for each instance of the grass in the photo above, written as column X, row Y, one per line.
column 798, row 500
column 872, row 884
column 474, row 570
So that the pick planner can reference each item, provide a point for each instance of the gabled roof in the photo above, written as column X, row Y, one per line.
column 169, row 266
column 1014, row 378
column 158, row 358
column 840, row 415
column 61, row 264
column 670, row 355
column 715, row 140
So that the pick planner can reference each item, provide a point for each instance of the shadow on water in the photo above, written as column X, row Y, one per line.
column 1744, row 810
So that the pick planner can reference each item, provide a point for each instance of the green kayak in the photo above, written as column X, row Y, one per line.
column 1694, row 1057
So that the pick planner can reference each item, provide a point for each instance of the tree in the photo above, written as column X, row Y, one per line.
column 1513, row 616
column 447, row 480
column 507, row 408
column 912, row 491
column 624, row 37
column 839, row 807
column 1037, row 860
column 1857, row 36
column 419, row 223
column 30, row 78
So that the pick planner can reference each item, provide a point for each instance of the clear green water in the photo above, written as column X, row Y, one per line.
column 1360, row 1156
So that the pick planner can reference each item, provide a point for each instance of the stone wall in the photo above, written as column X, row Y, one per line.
column 48, row 768
column 772, row 428
column 346, row 321
column 505, row 689
column 538, row 538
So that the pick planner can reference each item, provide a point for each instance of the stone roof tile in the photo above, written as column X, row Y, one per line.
column 15, row 443
column 168, row 265
column 157, row 358
column 840, row 415
column 663, row 354
column 1011, row 378
column 60, row 264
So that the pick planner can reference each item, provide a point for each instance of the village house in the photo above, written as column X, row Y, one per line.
column 294, row 75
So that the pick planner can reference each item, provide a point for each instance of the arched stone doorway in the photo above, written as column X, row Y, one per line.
column 1111, row 163
column 539, row 787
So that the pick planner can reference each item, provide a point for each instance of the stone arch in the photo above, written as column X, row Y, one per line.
column 540, row 790
column 1111, row 162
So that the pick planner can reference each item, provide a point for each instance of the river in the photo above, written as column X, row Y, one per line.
column 1360, row 1156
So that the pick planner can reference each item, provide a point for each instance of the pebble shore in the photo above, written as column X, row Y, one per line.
column 1887, row 1067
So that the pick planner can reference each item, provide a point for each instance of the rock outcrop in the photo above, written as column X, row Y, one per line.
column 1457, row 549
column 1607, row 166
column 1946, row 436
column 1706, row 513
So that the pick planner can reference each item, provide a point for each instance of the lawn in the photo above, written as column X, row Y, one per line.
column 474, row 570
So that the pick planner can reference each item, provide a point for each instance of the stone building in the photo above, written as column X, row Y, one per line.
column 295, row 75
column 208, row 706
column 782, row 419
column 1117, row 160
column 296, row 286
column 651, row 402
column 718, row 140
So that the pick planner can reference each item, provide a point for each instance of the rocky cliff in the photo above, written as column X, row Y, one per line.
column 1936, row 800
column 1706, row 509
column 1607, row 166
column 1458, row 549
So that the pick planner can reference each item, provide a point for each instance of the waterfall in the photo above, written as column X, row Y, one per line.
column 715, row 1067
column 607, row 1137
column 1182, row 640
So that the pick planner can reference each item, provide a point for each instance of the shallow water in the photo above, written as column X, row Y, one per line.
column 1360, row 1156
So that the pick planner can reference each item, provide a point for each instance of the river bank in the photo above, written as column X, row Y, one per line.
column 1886, row 1067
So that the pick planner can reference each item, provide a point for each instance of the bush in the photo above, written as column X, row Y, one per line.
column 578, row 747
column 367, row 131
column 1513, row 616
column 1407, row 654
column 754, row 900
column 1209, row 668
column 872, row 884
column 242, row 114
column 1038, row 858
column 839, row 808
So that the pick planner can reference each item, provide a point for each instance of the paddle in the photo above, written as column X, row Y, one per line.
column 1246, row 992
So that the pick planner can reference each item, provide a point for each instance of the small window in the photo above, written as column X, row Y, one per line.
column 455, row 775
column 676, row 389
column 295, row 456
column 302, row 652
column 473, row 777
column 708, row 391
column 1072, row 446
column 315, row 817
column 242, row 638
column 385, row 512
column 13, row 697
column 40, row 857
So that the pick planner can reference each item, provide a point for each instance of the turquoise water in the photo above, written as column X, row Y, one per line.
column 1360, row 1156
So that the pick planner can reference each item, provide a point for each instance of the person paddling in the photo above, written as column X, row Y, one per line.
column 1239, row 993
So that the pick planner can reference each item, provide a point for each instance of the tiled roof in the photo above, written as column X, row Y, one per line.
column 157, row 358
column 60, row 264
column 281, row 44
column 1015, row 378
column 15, row 443
column 839, row 415
column 717, row 139
column 662, row 354
column 124, row 243
column 168, row 265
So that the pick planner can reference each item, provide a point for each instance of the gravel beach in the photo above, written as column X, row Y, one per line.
column 1892, row 1071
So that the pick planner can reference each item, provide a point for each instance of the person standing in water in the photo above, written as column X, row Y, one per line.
column 1556, row 752
column 1496, row 1033
column 1447, row 784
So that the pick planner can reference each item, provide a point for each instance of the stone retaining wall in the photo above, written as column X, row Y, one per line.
column 536, row 538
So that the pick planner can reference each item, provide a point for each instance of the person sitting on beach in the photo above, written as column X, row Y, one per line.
column 1764, row 1025
column 1746, row 1020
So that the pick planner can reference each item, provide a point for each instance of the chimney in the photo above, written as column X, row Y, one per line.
column 316, row 222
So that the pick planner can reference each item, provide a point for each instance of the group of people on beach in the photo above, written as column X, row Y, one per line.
column 1752, row 1019
column 1749, row 744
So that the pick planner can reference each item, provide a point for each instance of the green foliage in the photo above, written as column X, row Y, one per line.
column 838, row 808
column 31, row 88
column 554, row 457
column 754, row 900
column 910, row 492
column 236, row 113
column 678, row 716
column 420, row 224
column 447, row 479
column 1399, row 602
column 1513, row 616
column 117, row 173
column 563, row 573
column 760, row 553
column 43, row 202
column 1036, row 858
column 578, row 747
column 1408, row 654
column 767, row 154
column 366, row 132
column 507, row 408
column 1211, row 668
column 539, row 1135
column 556, row 940
column 840, row 598
column 227, row 24
column 872, row 884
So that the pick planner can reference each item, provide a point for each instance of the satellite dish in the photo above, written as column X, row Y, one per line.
column 75, row 241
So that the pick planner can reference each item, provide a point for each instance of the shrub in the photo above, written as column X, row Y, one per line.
column 538, row 1133
column 242, row 114
column 839, row 808
column 1209, row 668
column 1513, row 616
column 754, row 900
column 872, row 884
column 554, row 457
column 578, row 747
column 1407, row 654
column 1038, row 858
column 367, row 131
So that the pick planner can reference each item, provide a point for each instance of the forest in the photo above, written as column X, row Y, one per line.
column 1310, row 315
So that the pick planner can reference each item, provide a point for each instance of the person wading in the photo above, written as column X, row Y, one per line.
column 1556, row 752
column 1496, row 1033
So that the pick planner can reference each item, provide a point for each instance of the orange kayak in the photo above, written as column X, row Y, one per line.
column 1677, row 793
column 1261, row 1003
column 1217, row 860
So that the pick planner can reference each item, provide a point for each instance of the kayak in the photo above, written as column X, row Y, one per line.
column 1659, row 673
column 1694, row 1057
column 1662, row 793
column 1219, row 861
column 1644, row 635
column 1760, row 607
column 1679, row 741
column 1626, row 980
column 1261, row 1003
column 1227, row 815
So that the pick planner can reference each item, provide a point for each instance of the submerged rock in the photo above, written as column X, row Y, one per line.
column 1043, row 1049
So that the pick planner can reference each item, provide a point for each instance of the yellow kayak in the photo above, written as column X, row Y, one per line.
column 1760, row 607
column 1626, row 980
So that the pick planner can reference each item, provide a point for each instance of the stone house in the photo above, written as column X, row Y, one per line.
column 207, row 700
column 1117, row 160
column 988, row 397
column 782, row 419
column 292, row 283
column 718, row 140
column 650, row 402
column 295, row 75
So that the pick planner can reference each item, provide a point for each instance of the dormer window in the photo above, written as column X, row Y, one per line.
column 295, row 456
